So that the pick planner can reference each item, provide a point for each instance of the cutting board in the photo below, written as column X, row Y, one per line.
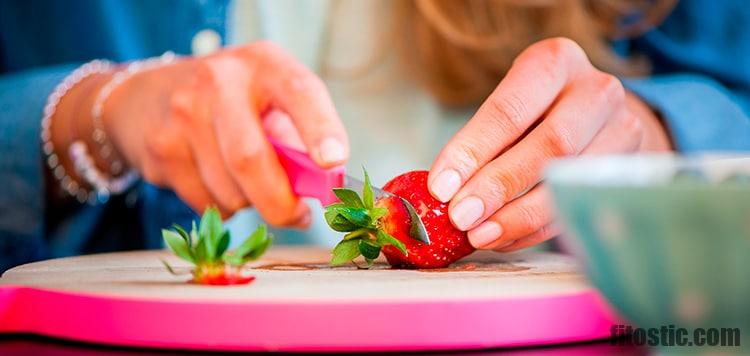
column 299, row 303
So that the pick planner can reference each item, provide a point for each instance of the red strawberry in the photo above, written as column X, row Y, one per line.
column 448, row 244
column 383, row 225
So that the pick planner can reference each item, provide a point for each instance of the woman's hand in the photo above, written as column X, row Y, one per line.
column 200, row 127
column 551, row 103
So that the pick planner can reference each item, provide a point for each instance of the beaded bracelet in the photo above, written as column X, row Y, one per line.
column 99, row 134
column 67, row 183
column 103, row 185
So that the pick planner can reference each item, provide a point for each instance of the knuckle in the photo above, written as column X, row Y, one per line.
column 220, row 71
column 180, row 101
column 244, row 160
column 633, row 132
column 558, row 50
column 204, row 73
column 298, row 82
column 610, row 89
column 507, row 113
column 559, row 143
column 501, row 184
column 633, row 125
column 530, row 218
column 466, row 157
column 563, row 47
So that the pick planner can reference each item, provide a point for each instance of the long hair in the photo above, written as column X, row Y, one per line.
column 460, row 49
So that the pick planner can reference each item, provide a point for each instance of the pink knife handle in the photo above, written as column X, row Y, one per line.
column 306, row 177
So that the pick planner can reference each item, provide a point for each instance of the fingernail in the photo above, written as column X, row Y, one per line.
column 445, row 185
column 467, row 212
column 484, row 234
column 331, row 151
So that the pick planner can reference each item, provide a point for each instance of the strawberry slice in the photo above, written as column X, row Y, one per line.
column 383, row 226
column 206, row 249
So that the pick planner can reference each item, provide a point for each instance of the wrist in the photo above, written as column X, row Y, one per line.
column 137, row 103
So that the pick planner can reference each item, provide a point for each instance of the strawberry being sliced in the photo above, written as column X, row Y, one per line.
column 383, row 226
column 206, row 249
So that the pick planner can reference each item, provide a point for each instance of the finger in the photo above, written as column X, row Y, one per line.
column 171, row 154
column 297, row 91
column 545, row 233
column 279, row 126
column 192, row 114
column 622, row 134
column 532, row 84
column 568, row 128
column 251, row 160
column 519, row 218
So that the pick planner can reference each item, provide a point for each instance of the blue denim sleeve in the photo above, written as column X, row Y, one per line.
column 22, row 97
column 127, row 222
column 700, row 113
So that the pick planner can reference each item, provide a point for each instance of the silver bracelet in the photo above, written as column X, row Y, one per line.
column 99, row 134
column 103, row 184
column 67, row 183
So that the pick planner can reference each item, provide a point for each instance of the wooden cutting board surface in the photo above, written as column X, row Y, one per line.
column 299, row 303
column 303, row 274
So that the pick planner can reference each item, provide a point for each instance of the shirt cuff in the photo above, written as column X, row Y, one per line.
column 699, row 112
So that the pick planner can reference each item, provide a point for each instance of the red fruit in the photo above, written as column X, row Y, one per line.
column 447, row 244
column 373, row 227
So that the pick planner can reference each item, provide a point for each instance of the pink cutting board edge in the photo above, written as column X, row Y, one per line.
column 306, row 327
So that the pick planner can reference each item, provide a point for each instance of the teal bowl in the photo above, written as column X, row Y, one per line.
column 666, row 239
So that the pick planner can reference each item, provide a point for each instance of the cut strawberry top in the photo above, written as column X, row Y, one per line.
column 206, row 249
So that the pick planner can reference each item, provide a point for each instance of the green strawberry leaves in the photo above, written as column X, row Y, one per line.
column 207, row 246
column 348, row 197
column 359, row 219
column 384, row 238
column 251, row 249
column 345, row 251
column 178, row 245
column 369, row 249
column 367, row 194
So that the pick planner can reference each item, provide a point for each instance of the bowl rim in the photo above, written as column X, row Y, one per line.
column 657, row 169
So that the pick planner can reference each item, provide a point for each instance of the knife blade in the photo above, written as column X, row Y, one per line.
column 417, row 230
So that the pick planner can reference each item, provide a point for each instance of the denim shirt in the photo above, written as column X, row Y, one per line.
column 700, row 86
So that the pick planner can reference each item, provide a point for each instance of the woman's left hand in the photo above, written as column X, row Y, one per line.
column 551, row 103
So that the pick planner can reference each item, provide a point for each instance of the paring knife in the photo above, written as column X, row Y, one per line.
column 309, row 180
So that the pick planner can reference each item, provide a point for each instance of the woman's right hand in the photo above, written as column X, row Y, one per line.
column 200, row 127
